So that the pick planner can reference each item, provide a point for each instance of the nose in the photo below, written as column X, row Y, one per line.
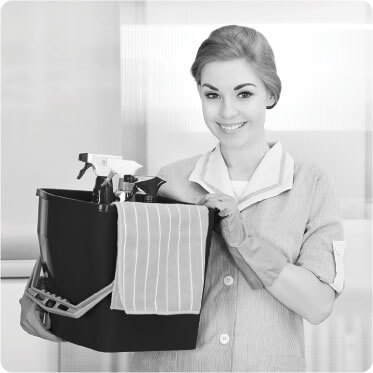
column 228, row 109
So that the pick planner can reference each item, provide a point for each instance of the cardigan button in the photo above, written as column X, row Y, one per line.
column 228, row 280
column 224, row 339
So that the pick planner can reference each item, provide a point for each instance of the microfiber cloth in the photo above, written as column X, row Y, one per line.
column 160, row 258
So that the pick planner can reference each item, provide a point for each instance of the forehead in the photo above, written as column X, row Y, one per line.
column 229, row 73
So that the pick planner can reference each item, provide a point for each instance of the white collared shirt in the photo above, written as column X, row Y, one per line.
column 273, row 175
column 239, row 188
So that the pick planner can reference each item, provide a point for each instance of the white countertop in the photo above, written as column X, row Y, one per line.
column 17, row 268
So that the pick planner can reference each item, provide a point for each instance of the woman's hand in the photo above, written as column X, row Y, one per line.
column 225, row 204
column 233, row 232
column 32, row 320
column 232, row 227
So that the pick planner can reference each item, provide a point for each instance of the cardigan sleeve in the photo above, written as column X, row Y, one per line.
column 323, row 244
column 178, row 186
column 165, row 173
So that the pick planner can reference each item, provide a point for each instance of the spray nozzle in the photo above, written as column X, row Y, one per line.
column 98, row 162
column 121, row 167
column 83, row 170
column 150, row 186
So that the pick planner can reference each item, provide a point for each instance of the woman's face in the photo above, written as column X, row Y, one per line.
column 234, row 101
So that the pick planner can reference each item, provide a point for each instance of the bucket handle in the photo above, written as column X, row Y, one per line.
column 54, row 304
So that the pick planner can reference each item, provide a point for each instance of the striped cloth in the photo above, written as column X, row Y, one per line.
column 160, row 259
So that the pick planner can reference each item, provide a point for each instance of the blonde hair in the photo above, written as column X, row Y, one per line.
column 231, row 42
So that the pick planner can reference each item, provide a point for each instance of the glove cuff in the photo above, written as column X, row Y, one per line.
column 233, row 229
column 265, row 260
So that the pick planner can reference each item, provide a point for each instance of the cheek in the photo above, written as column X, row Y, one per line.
column 254, row 109
column 209, row 110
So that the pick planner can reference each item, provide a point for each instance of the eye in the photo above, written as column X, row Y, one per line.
column 211, row 95
column 245, row 94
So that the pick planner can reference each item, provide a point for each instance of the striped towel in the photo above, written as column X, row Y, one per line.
column 160, row 259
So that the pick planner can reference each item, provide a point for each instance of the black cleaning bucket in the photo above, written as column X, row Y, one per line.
column 78, row 246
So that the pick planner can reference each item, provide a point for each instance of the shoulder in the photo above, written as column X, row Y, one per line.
column 178, row 186
column 314, row 181
column 180, row 169
column 314, row 192
column 311, row 173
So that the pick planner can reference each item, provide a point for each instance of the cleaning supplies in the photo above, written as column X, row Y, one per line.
column 125, row 170
column 102, row 193
column 164, row 244
column 79, row 245
column 125, row 188
column 150, row 186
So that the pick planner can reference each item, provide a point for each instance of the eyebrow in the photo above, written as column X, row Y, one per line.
column 235, row 88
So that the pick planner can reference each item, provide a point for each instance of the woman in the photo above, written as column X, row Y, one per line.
column 273, row 260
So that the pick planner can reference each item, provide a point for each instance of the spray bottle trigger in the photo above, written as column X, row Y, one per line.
column 84, row 169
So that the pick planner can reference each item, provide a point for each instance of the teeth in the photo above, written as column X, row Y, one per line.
column 232, row 128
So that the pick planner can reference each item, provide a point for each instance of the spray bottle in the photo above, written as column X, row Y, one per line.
column 125, row 188
column 150, row 185
column 101, row 194
column 125, row 169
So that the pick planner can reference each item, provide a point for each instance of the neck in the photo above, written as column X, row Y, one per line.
column 241, row 162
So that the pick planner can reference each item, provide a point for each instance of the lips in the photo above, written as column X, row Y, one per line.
column 231, row 127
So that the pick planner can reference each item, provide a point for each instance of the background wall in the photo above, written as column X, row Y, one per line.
column 60, row 96
column 60, row 77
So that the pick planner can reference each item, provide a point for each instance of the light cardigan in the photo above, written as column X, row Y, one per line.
column 242, row 329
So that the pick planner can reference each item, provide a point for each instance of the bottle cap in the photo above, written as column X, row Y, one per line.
column 127, row 183
column 129, row 179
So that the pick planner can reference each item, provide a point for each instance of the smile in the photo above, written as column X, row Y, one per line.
column 231, row 127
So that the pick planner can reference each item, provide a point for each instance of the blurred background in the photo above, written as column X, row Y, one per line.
column 113, row 78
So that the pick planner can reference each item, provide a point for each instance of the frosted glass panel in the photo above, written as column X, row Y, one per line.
column 324, row 114
column 324, row 72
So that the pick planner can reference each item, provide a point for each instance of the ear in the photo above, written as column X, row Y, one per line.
column 270, row 101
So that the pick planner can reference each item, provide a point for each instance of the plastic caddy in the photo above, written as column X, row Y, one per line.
column 73, row 279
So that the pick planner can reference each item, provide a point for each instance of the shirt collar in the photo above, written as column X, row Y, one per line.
column 273, row 175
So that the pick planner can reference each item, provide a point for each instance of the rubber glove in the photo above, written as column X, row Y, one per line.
column 252, row 254
column 35, row 321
